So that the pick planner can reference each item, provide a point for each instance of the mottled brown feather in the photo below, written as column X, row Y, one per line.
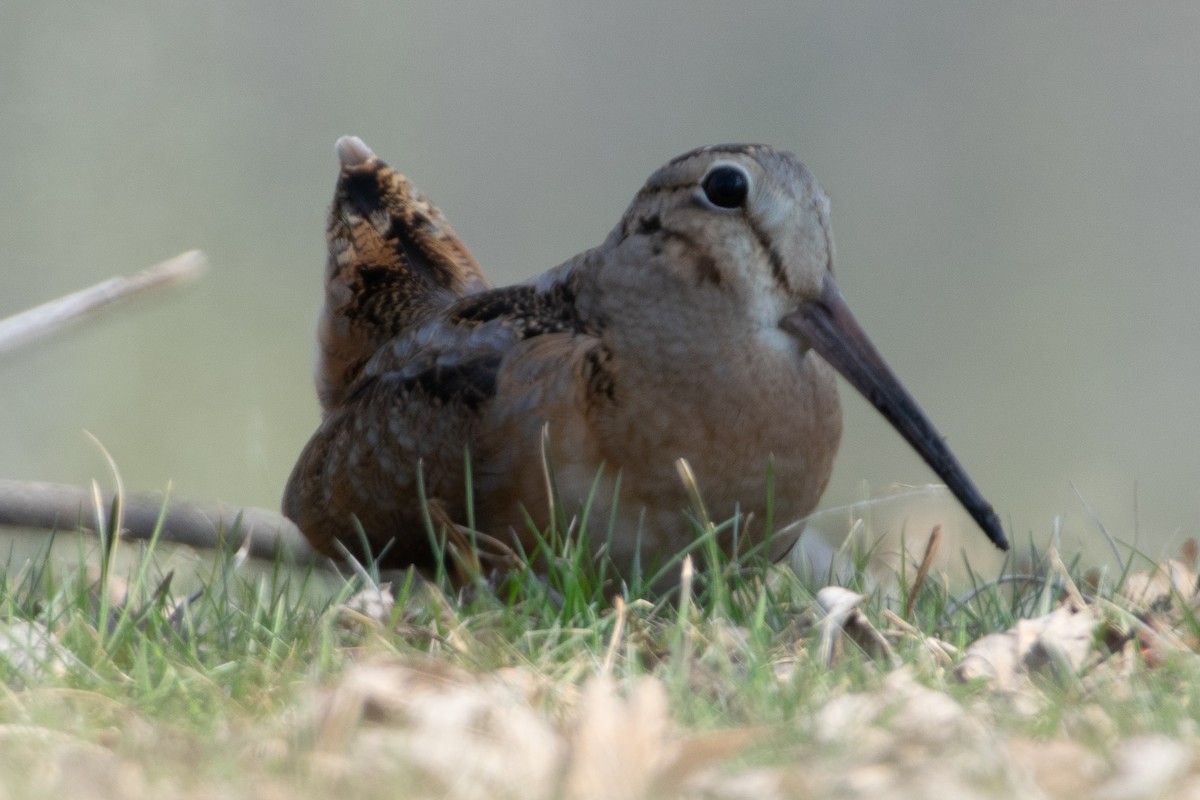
column 393, row 259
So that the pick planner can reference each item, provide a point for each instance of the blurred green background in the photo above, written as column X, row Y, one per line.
column 1016, row 194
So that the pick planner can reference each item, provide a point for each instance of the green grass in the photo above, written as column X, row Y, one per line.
column 227, row 689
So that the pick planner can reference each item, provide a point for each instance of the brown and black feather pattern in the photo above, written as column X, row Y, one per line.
column 411, row 343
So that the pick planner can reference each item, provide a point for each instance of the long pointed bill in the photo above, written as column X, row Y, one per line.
column 827, row 325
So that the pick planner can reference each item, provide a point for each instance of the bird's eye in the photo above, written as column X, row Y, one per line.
column 726, row 187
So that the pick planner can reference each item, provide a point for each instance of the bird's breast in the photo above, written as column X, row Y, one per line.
column 758, row 423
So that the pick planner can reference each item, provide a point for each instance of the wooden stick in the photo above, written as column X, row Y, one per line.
column 935, row 538
column 38, row 322
column 52, row 506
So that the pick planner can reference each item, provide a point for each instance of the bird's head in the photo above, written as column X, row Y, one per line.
column 737, row 238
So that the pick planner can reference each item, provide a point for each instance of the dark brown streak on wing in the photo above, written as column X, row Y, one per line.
column 428, row 248
column 523, row 310
column 394, row 261
column 407, row 269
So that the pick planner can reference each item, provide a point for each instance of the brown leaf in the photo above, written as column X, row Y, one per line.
column 1158, row 589
column 841, row 616
column 1063, row 638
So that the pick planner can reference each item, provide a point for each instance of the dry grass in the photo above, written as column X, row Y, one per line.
column 270, row 683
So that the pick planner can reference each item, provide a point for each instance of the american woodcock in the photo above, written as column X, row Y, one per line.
column 706, row 327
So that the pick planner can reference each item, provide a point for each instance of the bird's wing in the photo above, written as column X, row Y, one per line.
column 541, row 430
column 422, row 403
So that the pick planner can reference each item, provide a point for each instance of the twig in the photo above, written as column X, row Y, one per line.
column 1057, row 565
column 52, row 506
column 935, row 538
column 40, row 321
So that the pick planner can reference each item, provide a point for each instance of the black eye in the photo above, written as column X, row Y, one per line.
column 726, row 187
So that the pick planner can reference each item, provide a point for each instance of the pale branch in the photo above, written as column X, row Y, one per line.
column 40, row 321
column 206, row 525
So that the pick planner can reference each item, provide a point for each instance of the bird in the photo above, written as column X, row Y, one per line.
column 707, row 327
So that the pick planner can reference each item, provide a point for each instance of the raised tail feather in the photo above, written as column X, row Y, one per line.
column 393, row 260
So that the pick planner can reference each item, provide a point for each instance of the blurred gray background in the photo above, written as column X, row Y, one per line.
column 1016, row 194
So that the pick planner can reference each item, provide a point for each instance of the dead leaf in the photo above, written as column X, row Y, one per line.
column 1158, row 589
column 1063, row 639
column 841, row 616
